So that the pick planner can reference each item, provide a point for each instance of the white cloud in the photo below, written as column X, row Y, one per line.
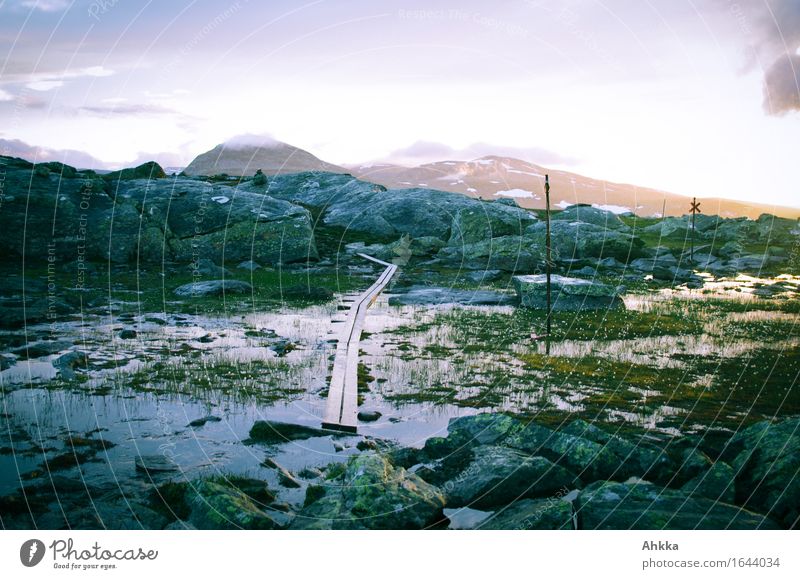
column 44, row 82
column 5, row 96
column 46, row 5
column 45, row 85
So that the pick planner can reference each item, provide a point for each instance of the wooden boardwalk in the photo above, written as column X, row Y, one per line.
column 342, row 406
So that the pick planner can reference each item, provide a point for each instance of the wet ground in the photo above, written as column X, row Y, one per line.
column 674, row 362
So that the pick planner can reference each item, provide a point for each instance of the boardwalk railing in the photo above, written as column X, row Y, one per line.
column 342, row 406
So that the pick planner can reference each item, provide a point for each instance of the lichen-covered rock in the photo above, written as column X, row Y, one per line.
column 592, row 215
column 767, row 463
column 217, row 506
column 484, row 221
column 639, row 459
column 638, row 505
column 717, row 483
column 499, row 475
column 371, row 493
column 512, row 253
column 588, row 460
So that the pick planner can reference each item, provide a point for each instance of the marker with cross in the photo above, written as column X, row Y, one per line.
column 695, row 210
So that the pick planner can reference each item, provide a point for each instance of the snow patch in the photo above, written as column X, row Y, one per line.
column 517, row 194
column 221, row 199
column 615, row 209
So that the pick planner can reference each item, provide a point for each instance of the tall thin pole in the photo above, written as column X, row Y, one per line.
column 547, row 244
column 694, row 211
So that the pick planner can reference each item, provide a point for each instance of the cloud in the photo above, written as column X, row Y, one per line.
column 248, row 140
column 123, row 109
column 46, row 81
column 427, row 152
column 80, row 159
column 782, row 86
column 774, row 29
column 46, row 5
column 5, row 96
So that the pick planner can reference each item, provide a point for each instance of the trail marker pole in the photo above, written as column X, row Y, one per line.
column 695, row 210
column 547, row 244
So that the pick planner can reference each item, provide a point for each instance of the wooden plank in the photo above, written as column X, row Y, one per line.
column 341, row 409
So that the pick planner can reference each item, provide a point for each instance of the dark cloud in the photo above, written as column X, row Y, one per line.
column 774, row 26
column 427, row 152
column 782, row 86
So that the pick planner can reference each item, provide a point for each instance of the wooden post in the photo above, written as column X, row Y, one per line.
column 547, row 244
column 695, row 210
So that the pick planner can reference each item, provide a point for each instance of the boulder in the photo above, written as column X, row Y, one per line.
column 579, row 240
column 512, row 253
column 717, row 483
column 213, row 288
column 371, row 493
column 217, row 506
column 588, row 460
column 499, row 476
column 644, row 506
column 766, row 459
column 484, row 221
column 568, row 293
column 421, row 295
column 592, row 215
column 273, row 432
column 635, row 459
column 547, row 514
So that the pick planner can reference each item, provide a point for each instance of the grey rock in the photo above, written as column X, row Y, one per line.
column 369, row 415
column 638, row 505
column 213, row 288
column 417, row 295
column 544, row 514
column 568, row 293
column 273, row 432
column 154, row 463
column 217, row 506
column 766, row 459
column 498, row 476
column 371, row 493
column 717, row 483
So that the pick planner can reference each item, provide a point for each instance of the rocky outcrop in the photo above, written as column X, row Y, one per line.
column 371, row 493
column 567, row 293
column 134, row 217
column 641, row 505
column 766, row 459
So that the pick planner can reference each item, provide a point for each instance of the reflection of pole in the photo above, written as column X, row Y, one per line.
column 547, row 244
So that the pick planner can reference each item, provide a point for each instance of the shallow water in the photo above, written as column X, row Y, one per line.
column 140, row 394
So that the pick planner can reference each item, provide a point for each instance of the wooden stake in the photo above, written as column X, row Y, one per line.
column 547, row 244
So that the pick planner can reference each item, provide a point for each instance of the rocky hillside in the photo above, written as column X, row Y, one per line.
column 494, row 177
column 273, row 158
column 54, row 213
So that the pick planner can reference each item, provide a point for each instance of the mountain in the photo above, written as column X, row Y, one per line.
column 244, row 156
column 494, row 177
column 22, row 150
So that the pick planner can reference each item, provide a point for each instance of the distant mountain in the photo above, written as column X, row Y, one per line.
column 78, row 159
column 244, row 156
column 493, row 177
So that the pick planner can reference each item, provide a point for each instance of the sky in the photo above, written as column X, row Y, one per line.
column 699, row 97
